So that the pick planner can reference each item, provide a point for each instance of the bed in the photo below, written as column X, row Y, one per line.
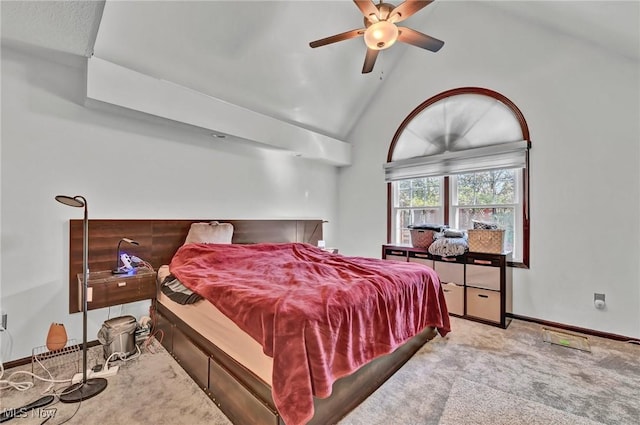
column 241, row 367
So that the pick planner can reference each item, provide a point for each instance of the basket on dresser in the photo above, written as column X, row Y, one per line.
column 486, row 240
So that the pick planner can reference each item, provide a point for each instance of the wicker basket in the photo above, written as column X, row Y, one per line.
column 421, row 238
column 485, row 240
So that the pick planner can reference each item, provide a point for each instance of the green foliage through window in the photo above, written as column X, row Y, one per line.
column 487, row 188
column 492, row 196
column 422, row 192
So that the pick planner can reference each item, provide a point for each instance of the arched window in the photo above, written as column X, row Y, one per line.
column 461, row 155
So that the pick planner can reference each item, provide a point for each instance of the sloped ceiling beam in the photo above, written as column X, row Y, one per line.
column 116, row 85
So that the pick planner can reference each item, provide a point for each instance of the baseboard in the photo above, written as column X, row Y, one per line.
column 27, row 360
column 573, row 328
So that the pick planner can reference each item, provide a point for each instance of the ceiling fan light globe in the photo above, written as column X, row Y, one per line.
column 381, row 35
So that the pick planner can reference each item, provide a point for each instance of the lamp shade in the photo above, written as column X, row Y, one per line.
column 72, row 202
column 381, row 35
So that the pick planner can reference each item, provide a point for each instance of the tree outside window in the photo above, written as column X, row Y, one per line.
column 417, row 201
column 489, row 196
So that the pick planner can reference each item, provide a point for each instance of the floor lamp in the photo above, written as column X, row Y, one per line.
column 86, row 388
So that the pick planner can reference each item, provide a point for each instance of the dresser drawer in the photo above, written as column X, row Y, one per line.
column 449, row 272
column 122, row 292
column 395, row 254
column 422, row 258
column 396, row 258
column 454, row 295
column 483, row 304
column 493, row 260
column 106, row 289
column 483, row 277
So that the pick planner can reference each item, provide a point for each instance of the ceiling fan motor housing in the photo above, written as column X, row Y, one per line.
column 384, row 9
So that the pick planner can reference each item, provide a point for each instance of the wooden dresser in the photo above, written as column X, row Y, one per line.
column 476, row 285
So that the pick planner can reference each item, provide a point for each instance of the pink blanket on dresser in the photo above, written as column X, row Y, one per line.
column 319, row 315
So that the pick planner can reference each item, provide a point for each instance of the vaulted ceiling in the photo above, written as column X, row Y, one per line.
column 256, row 54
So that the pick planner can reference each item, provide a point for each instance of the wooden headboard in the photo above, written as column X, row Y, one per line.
column 160, row 239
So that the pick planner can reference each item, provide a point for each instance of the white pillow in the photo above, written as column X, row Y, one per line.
column 212, row 232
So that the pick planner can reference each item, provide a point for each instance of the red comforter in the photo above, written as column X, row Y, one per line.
column 319, row 315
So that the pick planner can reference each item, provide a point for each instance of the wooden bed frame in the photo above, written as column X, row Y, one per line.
column 238, row 392
column 160, row 239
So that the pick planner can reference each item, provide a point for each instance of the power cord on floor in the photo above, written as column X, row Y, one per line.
column 74, row 413
column 119, row 355
column 26, row 385
column 156, row 333
column 10, row 382
column 51, row 412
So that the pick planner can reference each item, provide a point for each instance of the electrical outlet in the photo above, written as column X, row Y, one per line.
column 4, row 322
column 91, row 374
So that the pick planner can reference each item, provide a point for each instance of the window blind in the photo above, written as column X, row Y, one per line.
column 492, row 157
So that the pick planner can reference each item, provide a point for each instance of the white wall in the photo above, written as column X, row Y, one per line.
column 582, row 105
column 126, row 168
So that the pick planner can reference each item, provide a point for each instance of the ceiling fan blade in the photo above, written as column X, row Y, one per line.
column 369, row 61
column 406, row 9
column 407, row 35
column 367, row 7
column 338, row 37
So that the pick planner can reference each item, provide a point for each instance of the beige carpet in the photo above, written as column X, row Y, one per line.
column 471, row 403
column 476, row 375
column 152, row 389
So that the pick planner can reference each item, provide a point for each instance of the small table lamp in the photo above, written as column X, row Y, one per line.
column 86, row 388
column 122, row 269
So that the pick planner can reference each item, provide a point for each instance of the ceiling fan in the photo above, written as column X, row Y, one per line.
column 380, row 31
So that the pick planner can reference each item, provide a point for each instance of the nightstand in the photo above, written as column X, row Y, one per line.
column 106, row 289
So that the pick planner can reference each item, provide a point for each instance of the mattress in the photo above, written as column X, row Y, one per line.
column 208, row 321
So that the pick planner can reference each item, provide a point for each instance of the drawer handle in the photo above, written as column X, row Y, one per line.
column 483, row 296
column 121, row 284
column 422, row 256
column 482, row 261
column 446, row 290
column 449, row 259
column 396, row 252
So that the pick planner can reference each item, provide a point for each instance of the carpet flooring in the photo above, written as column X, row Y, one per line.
column 467, row 404
column 478, row 374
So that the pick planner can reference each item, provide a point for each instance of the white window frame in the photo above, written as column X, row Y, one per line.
column 518, row 237
column 492, row 133
column 395, row 194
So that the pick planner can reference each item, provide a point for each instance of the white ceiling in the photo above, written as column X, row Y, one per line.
column 66, row 26
column 256, row 54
